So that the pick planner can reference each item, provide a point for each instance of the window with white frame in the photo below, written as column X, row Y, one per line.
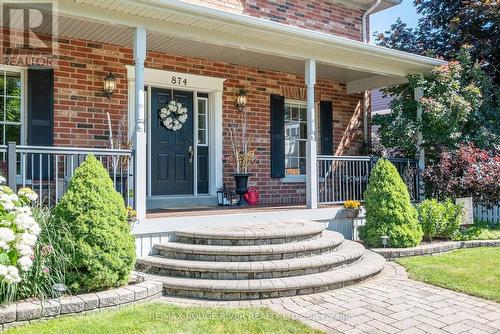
column 295, row 137
column 202, row 121
column 11, row 106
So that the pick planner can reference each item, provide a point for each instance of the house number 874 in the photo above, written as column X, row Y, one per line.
column 179, row 81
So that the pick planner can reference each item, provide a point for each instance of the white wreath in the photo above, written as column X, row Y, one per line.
column 173, row 115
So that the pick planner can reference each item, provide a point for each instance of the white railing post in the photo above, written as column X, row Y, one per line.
column 12, row 165
column 140, row 140
column 311, row 149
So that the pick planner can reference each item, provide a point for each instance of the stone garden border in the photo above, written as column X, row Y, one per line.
column 25, row 312
column 433, row 248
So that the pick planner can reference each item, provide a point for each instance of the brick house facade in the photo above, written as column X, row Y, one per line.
column 81, row 109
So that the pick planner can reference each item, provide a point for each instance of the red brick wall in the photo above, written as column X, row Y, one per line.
column 80, row 107
column 320, row 15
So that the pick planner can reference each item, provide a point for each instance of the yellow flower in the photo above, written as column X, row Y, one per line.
column 352, row 204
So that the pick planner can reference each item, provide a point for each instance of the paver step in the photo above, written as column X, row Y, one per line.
column 348, row 253
column 369, row 265
column 328, row 242
column 254, row 234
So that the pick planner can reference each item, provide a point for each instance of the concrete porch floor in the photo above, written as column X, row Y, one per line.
column 222, row 210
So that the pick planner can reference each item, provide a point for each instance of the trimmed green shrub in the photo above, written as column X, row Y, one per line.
column 439, row 219
column 452, row 220
column 431, row 216
column 99, row 238
column 389, row 210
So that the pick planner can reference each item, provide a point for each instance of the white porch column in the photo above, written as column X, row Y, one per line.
column 140, row 140
column 311, row 150
column 418, row 93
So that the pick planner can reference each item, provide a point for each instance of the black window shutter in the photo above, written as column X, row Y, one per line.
column 277, row 136
column 40, row 106
column 40, row 118
column 326, row 127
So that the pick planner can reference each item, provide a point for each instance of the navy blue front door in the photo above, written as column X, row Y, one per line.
column 171, row 151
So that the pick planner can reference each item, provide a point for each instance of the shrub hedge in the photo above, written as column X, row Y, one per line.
column 389, row 210
column 439, row 219
column 99, row 238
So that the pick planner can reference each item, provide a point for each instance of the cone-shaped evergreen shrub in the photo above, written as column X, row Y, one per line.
column 389, row 210
column 98, row 237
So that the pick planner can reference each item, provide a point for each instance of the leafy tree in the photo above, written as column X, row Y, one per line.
column 388, row 210
column 99, row 240
column 467, row 171
column 445, row 26
column 458, row 104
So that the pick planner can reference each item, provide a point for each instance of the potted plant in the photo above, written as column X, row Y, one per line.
column 351, row 209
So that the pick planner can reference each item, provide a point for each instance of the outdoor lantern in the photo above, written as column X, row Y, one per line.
column 109, row 84
column 241, row 100
column 222, row 196
column 384, row 239
column 59, row 289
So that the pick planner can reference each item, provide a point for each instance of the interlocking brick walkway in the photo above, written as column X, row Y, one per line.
column 389, row 303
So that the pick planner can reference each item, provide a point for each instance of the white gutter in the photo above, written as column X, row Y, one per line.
column 374, row 6
column 366, row 94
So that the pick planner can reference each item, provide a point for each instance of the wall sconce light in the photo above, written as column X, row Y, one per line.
column 109, row 84
column 241, row 100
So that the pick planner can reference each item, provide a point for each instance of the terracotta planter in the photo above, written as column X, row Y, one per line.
column 241, row 181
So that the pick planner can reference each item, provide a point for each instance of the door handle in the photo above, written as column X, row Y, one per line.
column 191, row 153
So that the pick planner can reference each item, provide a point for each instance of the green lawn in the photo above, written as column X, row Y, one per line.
column 163, row 318
column 473, row 271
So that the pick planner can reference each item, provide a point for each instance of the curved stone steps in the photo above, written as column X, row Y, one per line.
column 328, row 242
column 369, row 265
column 348, row 253
column 255, row 234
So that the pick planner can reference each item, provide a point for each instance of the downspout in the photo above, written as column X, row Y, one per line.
column 375, row 4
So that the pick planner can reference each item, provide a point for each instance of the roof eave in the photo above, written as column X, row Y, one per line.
column 309, row 35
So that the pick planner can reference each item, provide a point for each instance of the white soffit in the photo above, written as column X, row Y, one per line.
column 180, row 28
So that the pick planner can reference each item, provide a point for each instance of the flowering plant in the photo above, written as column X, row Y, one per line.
column 18, row 232
column 173, row 115
column 131, row 214
column 352, row 205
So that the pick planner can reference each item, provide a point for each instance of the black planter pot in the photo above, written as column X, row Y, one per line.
column 241, row 181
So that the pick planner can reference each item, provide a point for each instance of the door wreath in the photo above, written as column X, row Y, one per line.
column 173, row 116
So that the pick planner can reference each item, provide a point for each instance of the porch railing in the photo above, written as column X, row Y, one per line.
column 48, row 170
column 342, row 178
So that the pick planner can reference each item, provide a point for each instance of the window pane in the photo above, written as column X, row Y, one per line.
column 303, row 130
column 2, row 142
column 1, row 82
column 291, row 148
column 292, row 130
column 288, row 113
column 13, row 85
column 2, row 105
column 295, row 113
column 303, row 114
column 202, row 137
column 202, row 107
column 302, row 149
column 13, row 109
column 291, row 163
column 202, row 122
column 13, row 133
column 302, row 166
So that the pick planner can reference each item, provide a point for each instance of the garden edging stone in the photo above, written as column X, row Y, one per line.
column 28, row 311
column 434, row 248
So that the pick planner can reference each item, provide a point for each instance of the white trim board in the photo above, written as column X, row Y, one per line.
column 195, row 83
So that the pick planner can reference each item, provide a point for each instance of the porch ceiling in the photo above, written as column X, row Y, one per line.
column 120, row 35
column 192, row 30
